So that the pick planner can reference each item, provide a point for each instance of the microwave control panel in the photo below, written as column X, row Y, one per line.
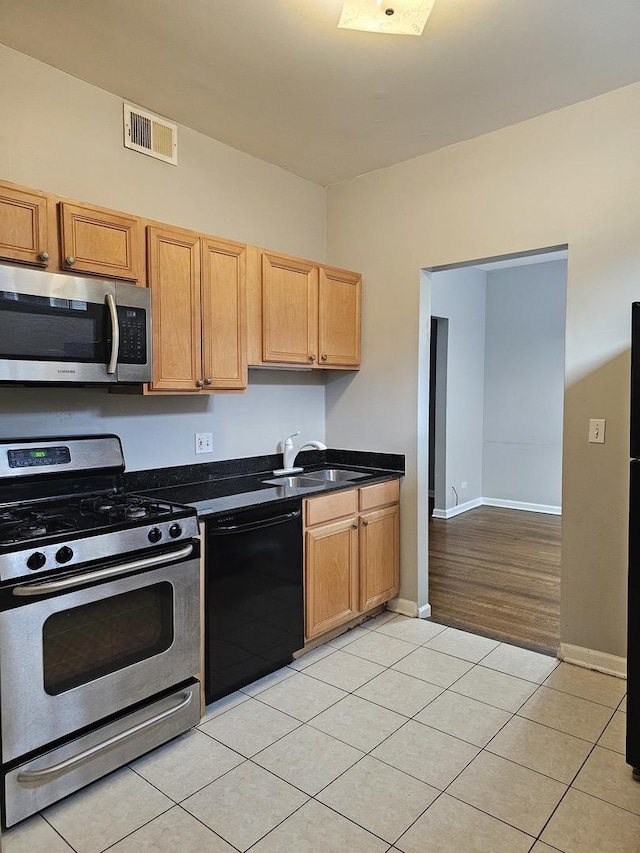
column 133, row 335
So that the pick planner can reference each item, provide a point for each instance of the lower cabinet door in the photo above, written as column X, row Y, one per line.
column 379, row 556
column 331, row 566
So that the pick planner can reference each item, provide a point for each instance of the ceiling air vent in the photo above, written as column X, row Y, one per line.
column 150, row 135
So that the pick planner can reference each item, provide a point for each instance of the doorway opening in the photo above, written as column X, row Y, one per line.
column 495, row 410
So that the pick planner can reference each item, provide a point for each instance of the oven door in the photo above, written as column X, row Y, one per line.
column 71, row 660
column 58, row 328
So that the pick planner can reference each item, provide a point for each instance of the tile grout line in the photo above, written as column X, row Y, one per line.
column 146, row 823
column 41, row 813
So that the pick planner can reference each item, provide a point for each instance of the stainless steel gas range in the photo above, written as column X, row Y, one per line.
column 99, row 619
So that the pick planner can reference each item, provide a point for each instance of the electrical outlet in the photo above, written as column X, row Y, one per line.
column 596, row 430
column 463, row 485
column 204, row 442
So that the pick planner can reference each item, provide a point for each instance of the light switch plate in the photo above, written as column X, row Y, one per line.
column 596, row 430
column 204, row 442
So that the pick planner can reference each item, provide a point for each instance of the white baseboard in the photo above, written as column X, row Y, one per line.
column 592, row 659
column 526, row 507
column 457, row 510
column 476, row 502
column 404, row 606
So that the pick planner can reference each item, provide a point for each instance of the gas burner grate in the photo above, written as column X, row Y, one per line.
column 19, row 525
column 124, row 506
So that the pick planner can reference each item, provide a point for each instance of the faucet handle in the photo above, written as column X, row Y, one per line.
column 293, row 435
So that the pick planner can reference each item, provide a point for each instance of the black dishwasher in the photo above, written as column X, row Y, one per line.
column 254, row 610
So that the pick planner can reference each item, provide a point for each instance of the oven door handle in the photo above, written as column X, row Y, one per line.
column 115, row 334
column 100, row 574
column 26, row 777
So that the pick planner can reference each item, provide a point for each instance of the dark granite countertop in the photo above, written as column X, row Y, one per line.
column 217, row 488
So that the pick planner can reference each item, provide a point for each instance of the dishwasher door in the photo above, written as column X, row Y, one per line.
column 254, row 600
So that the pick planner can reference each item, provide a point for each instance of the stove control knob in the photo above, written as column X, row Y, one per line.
column 36, row 560
column 174, row 531
column 155, row 534
column 64, row 554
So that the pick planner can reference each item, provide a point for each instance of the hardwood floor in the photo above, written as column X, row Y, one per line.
column 497, row 572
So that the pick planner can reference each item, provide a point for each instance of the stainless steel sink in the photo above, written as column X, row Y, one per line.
column 293, row 482
column 334, row 475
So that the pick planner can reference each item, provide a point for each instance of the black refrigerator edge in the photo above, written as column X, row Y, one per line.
column 633, row 605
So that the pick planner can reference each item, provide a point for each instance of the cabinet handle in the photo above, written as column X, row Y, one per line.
column 44, row 256
column 200, row 383
column 312, row 358
column 208, row 381
column 70, row 260
column 366, row 523
column 355, row 526
column 325, row 357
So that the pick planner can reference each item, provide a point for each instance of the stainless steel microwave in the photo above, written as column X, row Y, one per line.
column 58, row 328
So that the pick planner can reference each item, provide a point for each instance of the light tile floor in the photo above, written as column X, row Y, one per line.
column 401, row 735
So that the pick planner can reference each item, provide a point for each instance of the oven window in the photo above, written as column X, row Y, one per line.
column 87, row 642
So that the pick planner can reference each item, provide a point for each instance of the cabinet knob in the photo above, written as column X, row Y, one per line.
column 325, row 357
column 355, row 526
column 44, row 256
column 208, row 381
column 200, row 383
column 70, row 260
column 365, row 522
column 312, row 358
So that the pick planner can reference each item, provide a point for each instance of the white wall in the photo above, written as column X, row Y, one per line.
column 568, row 177
column 64, row 136
column 524, row 383
column 158, row 432
column 460, row 296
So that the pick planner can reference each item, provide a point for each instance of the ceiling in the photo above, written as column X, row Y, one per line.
column 277, row 79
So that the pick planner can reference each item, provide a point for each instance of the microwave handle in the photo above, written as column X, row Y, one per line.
column 115, row 334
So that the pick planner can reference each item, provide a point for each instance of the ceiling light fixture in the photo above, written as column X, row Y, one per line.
column 397, row 17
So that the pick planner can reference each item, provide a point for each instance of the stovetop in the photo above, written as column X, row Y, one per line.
column 63, row 508
column 48, row 537
column 32, row 522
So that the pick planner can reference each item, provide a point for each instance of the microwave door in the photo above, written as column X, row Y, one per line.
column 55, row 328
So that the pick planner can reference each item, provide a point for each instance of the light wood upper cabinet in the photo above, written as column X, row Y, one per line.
column 198, row 312
column 24, row 233
column 352, row 559
column 81, row 239
column 379, row 556
column 174, row 279
column 339, row 318
column 100, row 242
column 224, row 344
column 302, row 313
column 289, row 310
column 331, row 588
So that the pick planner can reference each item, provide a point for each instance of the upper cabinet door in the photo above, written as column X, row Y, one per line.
column 224, row 345
column 101, row 243
column 289, row 310
column 339, row 318
column 174, row 279
column 23, row 226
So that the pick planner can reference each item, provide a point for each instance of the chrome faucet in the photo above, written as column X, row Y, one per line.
column 291, row 450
